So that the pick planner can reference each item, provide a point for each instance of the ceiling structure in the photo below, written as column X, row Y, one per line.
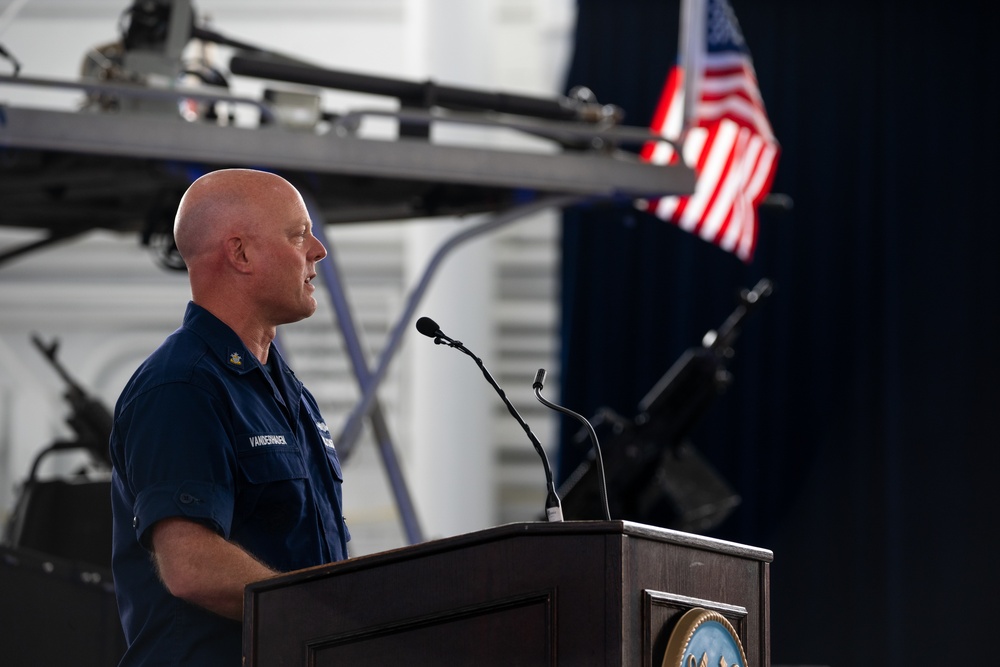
column 152, row 123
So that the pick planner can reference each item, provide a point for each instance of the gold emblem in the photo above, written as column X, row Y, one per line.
column 235, row 359
column 707, row 634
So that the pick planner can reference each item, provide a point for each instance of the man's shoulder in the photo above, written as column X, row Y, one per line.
column 180, row 358
column 202, row 354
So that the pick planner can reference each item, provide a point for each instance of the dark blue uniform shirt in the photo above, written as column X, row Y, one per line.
column 203, row 431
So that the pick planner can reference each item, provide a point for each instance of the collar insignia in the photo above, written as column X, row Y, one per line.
column 235, row 359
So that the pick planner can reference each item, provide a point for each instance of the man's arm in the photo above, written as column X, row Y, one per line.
column 199, row 566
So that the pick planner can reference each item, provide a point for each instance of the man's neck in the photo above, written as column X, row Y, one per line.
column 255, row 335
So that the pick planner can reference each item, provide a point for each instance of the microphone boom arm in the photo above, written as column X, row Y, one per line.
column 553, row 507
column 602, row 483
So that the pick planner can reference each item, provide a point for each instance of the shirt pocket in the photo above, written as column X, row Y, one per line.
column 274, row 464
column 331, row 456
column 272, row 494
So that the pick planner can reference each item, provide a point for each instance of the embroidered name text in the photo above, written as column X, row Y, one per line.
column 263, row 440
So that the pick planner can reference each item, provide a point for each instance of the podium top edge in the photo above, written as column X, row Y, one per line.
column 690, row 539
column 625, row 529
column 639, row 530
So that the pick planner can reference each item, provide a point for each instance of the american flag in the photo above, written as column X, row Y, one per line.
column 728, row 140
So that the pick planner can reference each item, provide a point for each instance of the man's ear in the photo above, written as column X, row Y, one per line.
column 236, row 254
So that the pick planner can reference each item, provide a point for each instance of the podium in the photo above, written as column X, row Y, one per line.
column 571, row 593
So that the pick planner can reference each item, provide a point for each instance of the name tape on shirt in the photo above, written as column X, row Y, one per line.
column 265, row 440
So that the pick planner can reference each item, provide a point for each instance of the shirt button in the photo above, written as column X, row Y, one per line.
column 135, row 522
column 187, row 498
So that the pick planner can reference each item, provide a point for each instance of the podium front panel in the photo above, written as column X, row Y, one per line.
column 504, row 632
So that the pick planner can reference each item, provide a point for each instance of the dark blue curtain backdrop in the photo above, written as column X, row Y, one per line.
column 861, row 429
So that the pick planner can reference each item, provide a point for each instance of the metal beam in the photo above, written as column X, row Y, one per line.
column 167, row 138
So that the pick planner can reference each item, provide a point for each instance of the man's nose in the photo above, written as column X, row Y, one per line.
column 320, row 250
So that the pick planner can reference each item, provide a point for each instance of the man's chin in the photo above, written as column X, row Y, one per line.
column 307, row 310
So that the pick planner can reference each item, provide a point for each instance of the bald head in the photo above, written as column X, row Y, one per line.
column 224, row 203
column 247, row 240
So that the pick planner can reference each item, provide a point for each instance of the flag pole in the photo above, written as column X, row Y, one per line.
column 691, row 56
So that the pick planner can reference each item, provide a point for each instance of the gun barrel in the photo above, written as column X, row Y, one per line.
column 90, row 419
column 730, row 329
column 49, row 352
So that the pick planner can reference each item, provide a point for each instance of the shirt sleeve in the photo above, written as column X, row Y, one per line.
column 180, row 459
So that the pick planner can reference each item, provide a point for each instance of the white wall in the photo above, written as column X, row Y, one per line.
column 110, row 305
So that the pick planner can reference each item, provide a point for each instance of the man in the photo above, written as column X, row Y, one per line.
column 224, row 470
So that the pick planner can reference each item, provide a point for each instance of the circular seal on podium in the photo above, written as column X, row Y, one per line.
column 704, row 638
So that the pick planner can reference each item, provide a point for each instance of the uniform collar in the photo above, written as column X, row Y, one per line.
column 223, row 342
column 226, row 346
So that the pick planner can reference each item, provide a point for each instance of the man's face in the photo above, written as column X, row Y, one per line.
column 285, row 253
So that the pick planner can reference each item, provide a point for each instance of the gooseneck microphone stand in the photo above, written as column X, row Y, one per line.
column 553, row 508
column 602, row 483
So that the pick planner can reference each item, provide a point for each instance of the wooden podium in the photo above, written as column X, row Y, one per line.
column 573, row 593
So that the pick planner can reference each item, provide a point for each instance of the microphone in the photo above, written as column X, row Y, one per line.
column 602, row 483
column 553, row 508
column 430, row 328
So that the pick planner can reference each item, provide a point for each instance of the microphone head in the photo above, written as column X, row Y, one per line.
column 428, row 327
column 539, row 379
